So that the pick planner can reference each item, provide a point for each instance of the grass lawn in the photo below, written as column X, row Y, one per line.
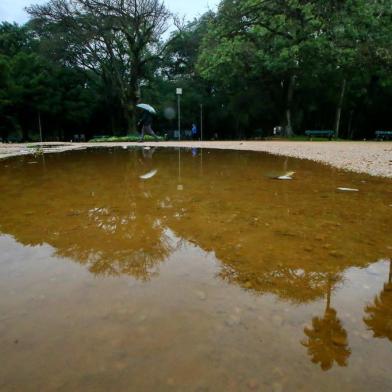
column 128, row 138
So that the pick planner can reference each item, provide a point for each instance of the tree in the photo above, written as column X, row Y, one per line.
column 4, row 99
column 356, row 42
column 82, row 66
column 14, row 39
column 290, row 45
column 327, row 339
column 37, row 89
column 379, row 314
column 255, row 37
column 116, row 39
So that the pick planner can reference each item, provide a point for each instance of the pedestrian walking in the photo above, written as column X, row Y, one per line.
column 194, row 132
column 146, row 121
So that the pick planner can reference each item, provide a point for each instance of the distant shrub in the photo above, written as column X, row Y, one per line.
column 129, row 138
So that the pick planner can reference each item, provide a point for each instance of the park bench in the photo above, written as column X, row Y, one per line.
column 322, row 133
column 382, row 135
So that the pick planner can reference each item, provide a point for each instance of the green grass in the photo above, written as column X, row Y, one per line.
column 301, row 138
column 129, row 138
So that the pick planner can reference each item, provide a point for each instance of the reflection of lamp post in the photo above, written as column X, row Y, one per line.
column 201, row 122
column 201, row 161
column 179, row 93
column 180, row 187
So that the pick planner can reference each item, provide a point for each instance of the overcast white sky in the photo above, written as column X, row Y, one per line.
column 13, row 10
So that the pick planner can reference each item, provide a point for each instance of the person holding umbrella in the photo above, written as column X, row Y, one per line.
column 146, row 121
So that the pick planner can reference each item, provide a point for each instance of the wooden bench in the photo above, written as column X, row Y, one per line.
column 382, row 135
column 322, row 133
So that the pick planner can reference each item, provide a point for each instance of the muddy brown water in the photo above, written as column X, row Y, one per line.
column 208, row 276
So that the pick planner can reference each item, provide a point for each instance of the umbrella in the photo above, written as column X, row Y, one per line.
column 149, row 108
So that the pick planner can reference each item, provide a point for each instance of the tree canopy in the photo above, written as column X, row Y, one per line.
column 82, row 66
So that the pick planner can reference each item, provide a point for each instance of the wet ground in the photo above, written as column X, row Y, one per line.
column 206, row 275
column 369, row 157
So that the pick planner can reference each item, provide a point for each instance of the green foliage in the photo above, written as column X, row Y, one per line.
column 252, row 65
column 38, row 152
column 118, row 41
column 14, row 39
column 33, row 86
column 128, row 138
column 298, row 54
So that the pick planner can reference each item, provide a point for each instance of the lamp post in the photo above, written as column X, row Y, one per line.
column 179, row 93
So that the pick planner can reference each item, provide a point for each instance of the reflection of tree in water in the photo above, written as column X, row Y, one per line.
column 141, row 263
column 98, row 212
column 113, row 227
column 129, row 241
column 327, row 339
column 379, row 314
column 291, row 283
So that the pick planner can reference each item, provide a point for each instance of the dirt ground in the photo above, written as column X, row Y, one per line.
column 374, row 158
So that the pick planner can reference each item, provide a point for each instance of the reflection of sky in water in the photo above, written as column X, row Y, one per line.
column 234, row 268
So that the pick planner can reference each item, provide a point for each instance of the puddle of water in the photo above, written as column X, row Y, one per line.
column 208, row 275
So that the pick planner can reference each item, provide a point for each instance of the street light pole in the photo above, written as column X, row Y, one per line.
column 179, row 93
column 179, row 116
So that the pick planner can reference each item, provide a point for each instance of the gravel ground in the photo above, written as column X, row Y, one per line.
column 374, row 158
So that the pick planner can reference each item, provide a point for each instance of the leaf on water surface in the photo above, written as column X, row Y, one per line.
column 149, row 175
column 348, row 189
column 281, row 176
column 286, row 176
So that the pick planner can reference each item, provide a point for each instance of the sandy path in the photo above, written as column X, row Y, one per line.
column 374, row 158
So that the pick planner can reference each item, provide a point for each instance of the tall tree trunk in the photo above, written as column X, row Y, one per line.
column 60, row 134
column 238, row 132
column 40, row 127
column 134, row 92
column 128, row 119
column 339, row 108
column 134, row 116
column 329, row 289
column 110, row 98
column 289, row 100
column 25, row 134
column 112, row 123
column 132, row 121
column 350, row 130
column 130, row 110
column 4, row 134
column 128, row 103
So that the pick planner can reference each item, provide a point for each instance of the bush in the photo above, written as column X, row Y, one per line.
column 129, row 138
